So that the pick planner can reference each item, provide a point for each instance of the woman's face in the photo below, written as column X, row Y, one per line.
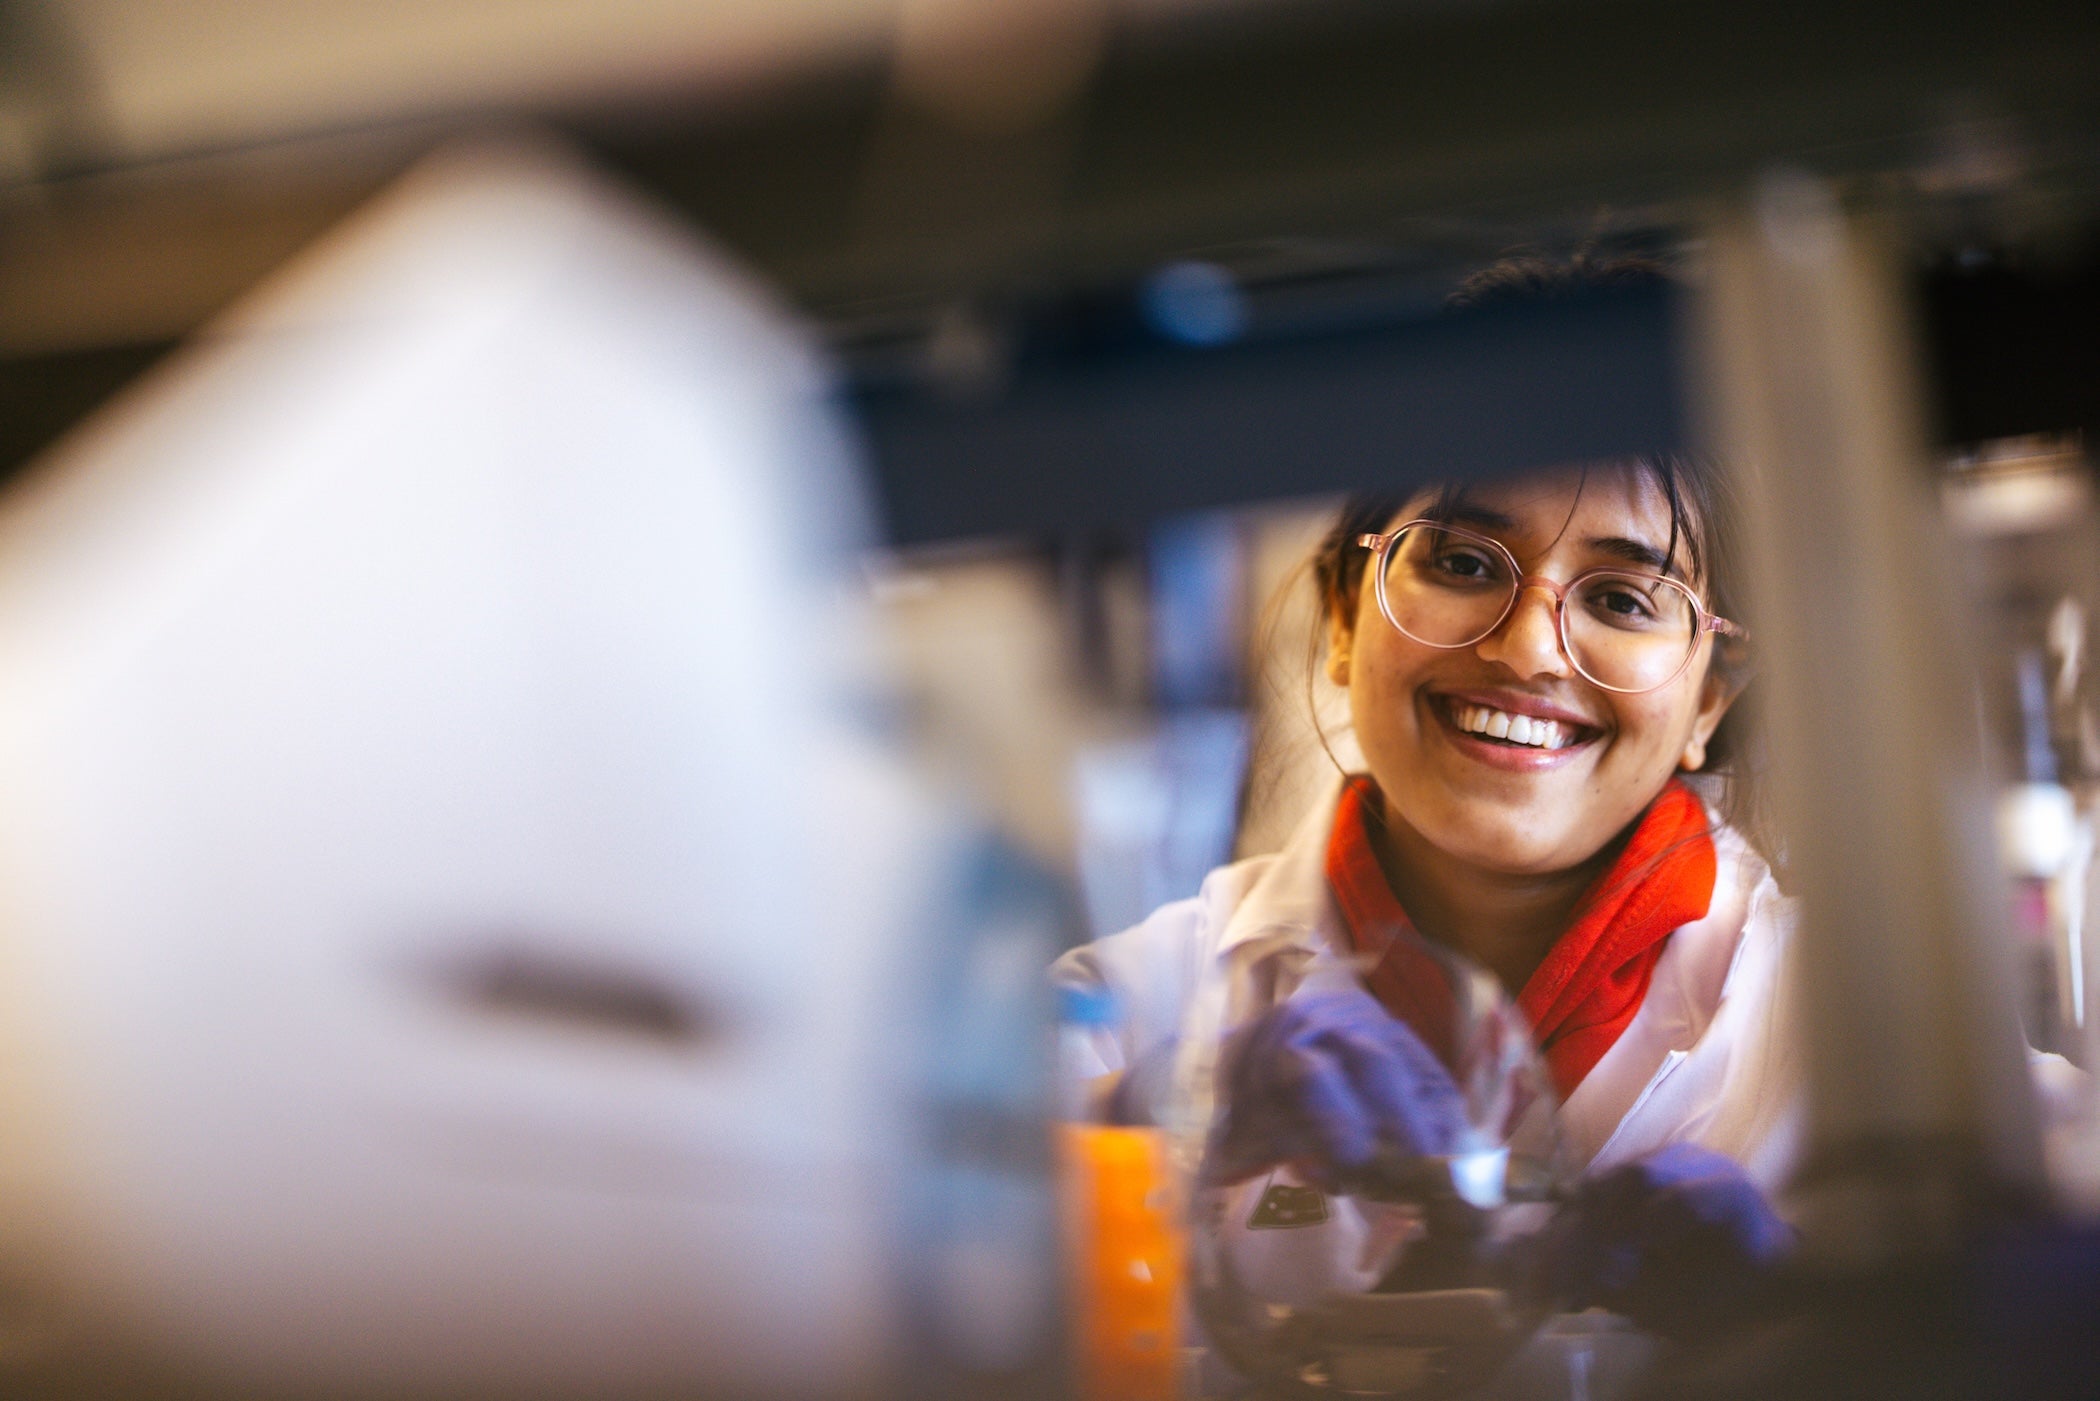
column 1510, row 808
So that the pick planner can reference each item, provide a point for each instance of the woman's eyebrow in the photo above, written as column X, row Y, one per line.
column 1632, row 551
column 1478, row 517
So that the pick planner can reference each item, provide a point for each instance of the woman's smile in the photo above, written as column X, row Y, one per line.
column 1511, row 730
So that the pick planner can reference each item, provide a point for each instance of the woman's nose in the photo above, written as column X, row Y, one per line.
column 1528, row 642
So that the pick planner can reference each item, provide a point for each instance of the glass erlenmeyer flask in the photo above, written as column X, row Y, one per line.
column 1398, row 1278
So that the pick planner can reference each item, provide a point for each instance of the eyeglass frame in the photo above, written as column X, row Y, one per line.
column 1703, row 621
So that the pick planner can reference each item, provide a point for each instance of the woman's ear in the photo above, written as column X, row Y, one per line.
column 1724, row 682
column 1341, row 637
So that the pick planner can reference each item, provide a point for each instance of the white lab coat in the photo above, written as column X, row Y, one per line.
column 1707, row 1059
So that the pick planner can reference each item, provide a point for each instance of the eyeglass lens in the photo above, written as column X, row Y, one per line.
column 1628, row 632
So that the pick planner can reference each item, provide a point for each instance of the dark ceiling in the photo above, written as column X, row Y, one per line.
column 1341, row 154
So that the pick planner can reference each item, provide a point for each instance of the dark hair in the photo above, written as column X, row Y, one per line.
column 1703, row 526
column 1530, row 277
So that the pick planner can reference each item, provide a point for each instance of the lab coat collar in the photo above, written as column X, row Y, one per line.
column 1290, row 901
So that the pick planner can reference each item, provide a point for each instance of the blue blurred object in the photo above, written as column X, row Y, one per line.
column 1079, row 1005
column 1198, row 612
column 1086, row 1013
column 1195, row 303
column 980, row 1208
column 1156, row 812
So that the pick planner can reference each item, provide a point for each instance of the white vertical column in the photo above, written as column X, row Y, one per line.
column 1919, row 1099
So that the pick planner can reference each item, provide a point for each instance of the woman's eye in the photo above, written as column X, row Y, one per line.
column 1464, row 564
column 1622, row 603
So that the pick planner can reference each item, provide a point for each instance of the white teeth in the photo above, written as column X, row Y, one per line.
column 1526, row 730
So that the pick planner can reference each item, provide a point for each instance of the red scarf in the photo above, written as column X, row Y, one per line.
column 1597, row 973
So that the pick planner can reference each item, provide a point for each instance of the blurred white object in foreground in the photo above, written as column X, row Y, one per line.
column 453, row 935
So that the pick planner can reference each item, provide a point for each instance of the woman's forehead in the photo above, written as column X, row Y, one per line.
column 1539, row 508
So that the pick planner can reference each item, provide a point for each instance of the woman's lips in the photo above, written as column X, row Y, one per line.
column 1517, row 703
column 1572, row 737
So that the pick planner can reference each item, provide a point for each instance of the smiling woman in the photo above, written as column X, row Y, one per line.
column 1528, row 666
column 1535, row 670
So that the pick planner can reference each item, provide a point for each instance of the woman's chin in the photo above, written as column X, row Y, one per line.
column 1509, row 848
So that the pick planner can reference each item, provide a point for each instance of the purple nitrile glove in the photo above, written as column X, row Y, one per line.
column 1677, row 1241
column 1330, row 1082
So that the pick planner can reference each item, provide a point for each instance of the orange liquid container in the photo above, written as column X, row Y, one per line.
column 1123, row 1219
